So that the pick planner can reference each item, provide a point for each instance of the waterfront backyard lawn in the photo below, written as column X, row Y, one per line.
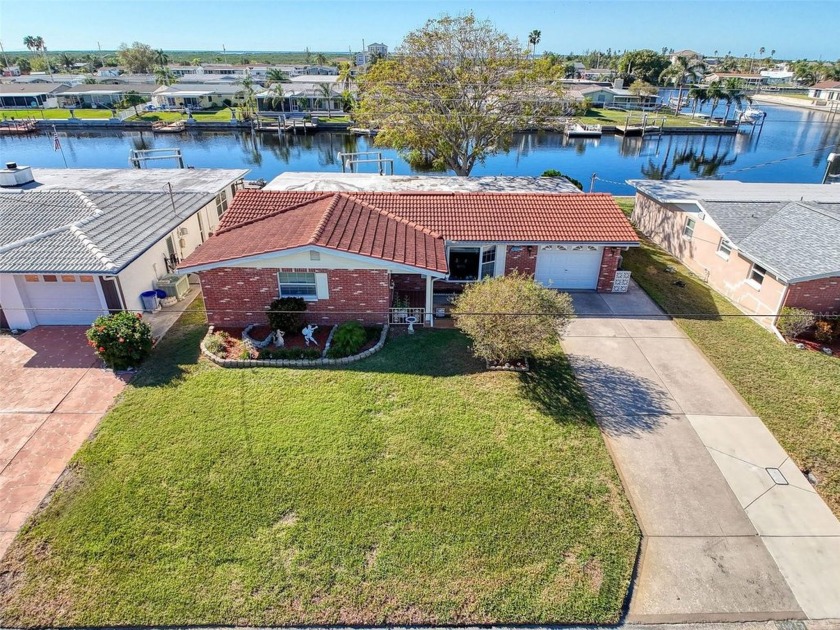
column 412, row 487
column 54, row 114
column 795, row 392
column 612, row 117
column 221, row 115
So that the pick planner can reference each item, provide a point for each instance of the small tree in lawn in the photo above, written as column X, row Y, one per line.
column 511, row 317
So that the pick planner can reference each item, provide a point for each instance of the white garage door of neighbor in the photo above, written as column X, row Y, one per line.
column 568, row 268
column 63, row 301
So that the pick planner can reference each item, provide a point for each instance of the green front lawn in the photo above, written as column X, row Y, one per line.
column 222, row 115
column 796, row 392
column 616, row 117
column 53, row 114
column 412, row 487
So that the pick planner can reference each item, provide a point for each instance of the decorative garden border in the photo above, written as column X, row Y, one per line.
column 243, row 363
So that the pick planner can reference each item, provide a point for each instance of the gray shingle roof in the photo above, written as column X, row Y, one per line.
column 739, row 219
column 798, row 242
column 92, row 232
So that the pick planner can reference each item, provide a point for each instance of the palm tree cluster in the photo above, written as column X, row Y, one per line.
column 810, row 72
column 730, row 91
column 36, row 44
column 683, row 71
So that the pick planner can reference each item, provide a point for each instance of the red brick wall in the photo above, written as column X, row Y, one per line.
column 523, row 261
column 408, row 282
column 354, row 294
column 820, row 296
column 610, row 262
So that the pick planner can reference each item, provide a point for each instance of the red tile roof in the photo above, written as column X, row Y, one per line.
column 826, row 85
column 408, row 228
column 270, row 222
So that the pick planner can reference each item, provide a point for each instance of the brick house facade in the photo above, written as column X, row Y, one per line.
column 238, row 296
column 352, row 253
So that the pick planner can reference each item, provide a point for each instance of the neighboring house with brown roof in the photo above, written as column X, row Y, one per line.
column 352, row 254
column 827, row 90
column 763, row 246
column 22, row 95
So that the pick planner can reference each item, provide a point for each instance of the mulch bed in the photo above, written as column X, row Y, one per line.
column 296, row 340
column 807, row 338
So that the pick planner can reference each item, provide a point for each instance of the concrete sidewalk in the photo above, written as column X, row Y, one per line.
column 732, row 530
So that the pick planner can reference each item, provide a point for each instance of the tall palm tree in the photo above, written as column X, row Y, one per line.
column 698, row 96
column 249, row 98
column 534, row 39
column 683, row 71
column 734, row 89
column 715, row 93
column 321, row 59
column 276, row 75
column 66, row 61
column 161, row 57
column 275, row 93
column 345, row 76
column 36, row 44
column 326, row 93
column 164, row 76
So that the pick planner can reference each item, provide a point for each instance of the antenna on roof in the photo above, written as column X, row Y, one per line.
column 172, row 198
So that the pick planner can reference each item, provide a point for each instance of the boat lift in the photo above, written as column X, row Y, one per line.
column 138, row 157
column 385, row 166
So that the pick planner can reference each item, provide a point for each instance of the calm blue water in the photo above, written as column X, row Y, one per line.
column 787, row 132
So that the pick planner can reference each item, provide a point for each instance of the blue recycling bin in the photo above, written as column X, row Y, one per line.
column 150, row 301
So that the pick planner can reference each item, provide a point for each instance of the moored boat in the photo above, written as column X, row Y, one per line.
column 577, row 130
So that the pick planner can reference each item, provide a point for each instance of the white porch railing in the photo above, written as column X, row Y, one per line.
column 399, row 316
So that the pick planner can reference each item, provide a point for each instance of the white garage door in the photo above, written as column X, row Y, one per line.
column 568, row 268
column 63, row 299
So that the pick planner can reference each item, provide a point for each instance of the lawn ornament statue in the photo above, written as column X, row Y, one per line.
column 308, row 334
column 278, row 338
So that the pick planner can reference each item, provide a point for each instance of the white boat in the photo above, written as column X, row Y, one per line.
column 751, row 115
column 583, row 131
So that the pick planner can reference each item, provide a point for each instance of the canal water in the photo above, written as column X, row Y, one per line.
column 792, row 146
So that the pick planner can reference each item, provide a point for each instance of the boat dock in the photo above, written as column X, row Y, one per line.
column 18, row 127
column 169, row 127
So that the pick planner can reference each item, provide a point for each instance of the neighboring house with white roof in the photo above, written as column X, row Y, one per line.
column 763, row 246
column 197, row 95
column 98, row 95
column 78, row 243
column 23, row 95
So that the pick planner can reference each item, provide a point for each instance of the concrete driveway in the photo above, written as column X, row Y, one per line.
column 53, row 391
column 724, row 537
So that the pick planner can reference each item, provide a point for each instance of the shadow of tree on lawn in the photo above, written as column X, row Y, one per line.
column 571, row 390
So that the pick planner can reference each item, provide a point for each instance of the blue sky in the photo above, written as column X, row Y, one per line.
column 794, row 28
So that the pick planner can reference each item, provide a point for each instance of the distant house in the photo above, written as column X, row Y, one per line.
column 747, row 79
column 613, row 96
column 303, row 96
column 351, row 254
column 687, row 53
column 11, row 71
column 365, row 57
column 596, row 74
column 763, row 246
column 24, row 95
column 825, row 90
column 777, row 77
column 43, row 77
column 225, row 69
column 99, row 95
column 197, row 95
column 78, row 243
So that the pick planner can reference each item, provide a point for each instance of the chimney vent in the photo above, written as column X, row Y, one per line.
column 14, row 175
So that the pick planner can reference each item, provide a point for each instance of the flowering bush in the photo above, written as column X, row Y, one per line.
column 122, row 340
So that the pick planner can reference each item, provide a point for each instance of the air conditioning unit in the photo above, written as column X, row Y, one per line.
column 182, row 231
column 174, row 285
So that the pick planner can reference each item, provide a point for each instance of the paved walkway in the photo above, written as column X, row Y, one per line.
column 52, row 395
column 732, row 531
